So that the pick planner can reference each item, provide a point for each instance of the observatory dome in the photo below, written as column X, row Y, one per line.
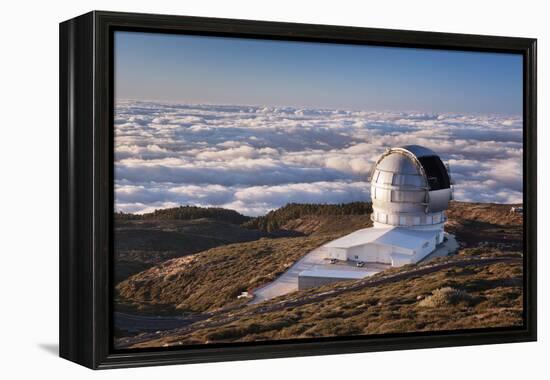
column 410, row 187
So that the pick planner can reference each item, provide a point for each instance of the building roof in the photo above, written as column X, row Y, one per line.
column 406, row 238
column 391, row 236
column 359, row 237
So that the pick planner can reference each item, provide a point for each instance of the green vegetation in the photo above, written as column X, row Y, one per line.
column 446, row 296
column 188, row 213
column 278, row 219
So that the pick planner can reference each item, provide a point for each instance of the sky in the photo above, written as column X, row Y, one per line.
column 253, row 125
column 214, row 70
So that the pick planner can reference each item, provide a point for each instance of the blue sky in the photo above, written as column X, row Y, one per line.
column 215, row 70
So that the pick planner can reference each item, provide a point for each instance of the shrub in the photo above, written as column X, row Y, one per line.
column 446, row 296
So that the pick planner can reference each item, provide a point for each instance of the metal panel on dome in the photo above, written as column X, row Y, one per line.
column 419, row 151
column 385, row 178
column 408, row 196
column 396, row 162
column 408, row 180
column 439, row 200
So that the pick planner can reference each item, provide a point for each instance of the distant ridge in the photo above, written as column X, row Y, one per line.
column 188, row 213
column 276, row 219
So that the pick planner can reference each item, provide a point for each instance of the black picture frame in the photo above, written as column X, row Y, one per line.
column 86, row 186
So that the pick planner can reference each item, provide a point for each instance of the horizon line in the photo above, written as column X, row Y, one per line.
column 411, row 111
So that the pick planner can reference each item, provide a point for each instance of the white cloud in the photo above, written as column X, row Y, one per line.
column 254, row 159
column 251, row 200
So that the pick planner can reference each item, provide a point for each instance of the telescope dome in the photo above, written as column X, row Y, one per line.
column 410, row 186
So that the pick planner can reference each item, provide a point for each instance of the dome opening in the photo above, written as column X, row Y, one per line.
column 436, row 172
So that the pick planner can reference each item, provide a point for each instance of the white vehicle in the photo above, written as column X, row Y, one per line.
column 244, row 295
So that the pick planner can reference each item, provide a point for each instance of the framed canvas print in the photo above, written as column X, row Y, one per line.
column 236, row 189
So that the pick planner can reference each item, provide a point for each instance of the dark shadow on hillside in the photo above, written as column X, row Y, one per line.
column 485, row 284
column 472, row 233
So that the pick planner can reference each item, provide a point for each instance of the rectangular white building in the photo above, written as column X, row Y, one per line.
column 393, row 245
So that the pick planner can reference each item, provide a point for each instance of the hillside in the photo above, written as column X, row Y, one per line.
column 214, row 277
column 313, row 218
column 474, row 289
column 206, row 284
column 142, row 241
column 485, row 224
column 188, row 213
column 492, row 213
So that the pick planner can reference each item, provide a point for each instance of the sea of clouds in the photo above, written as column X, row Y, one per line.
column 254, row 159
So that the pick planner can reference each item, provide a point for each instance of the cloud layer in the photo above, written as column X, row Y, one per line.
column 255, row 159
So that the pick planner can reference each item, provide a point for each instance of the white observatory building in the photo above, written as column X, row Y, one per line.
column 410, row 191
